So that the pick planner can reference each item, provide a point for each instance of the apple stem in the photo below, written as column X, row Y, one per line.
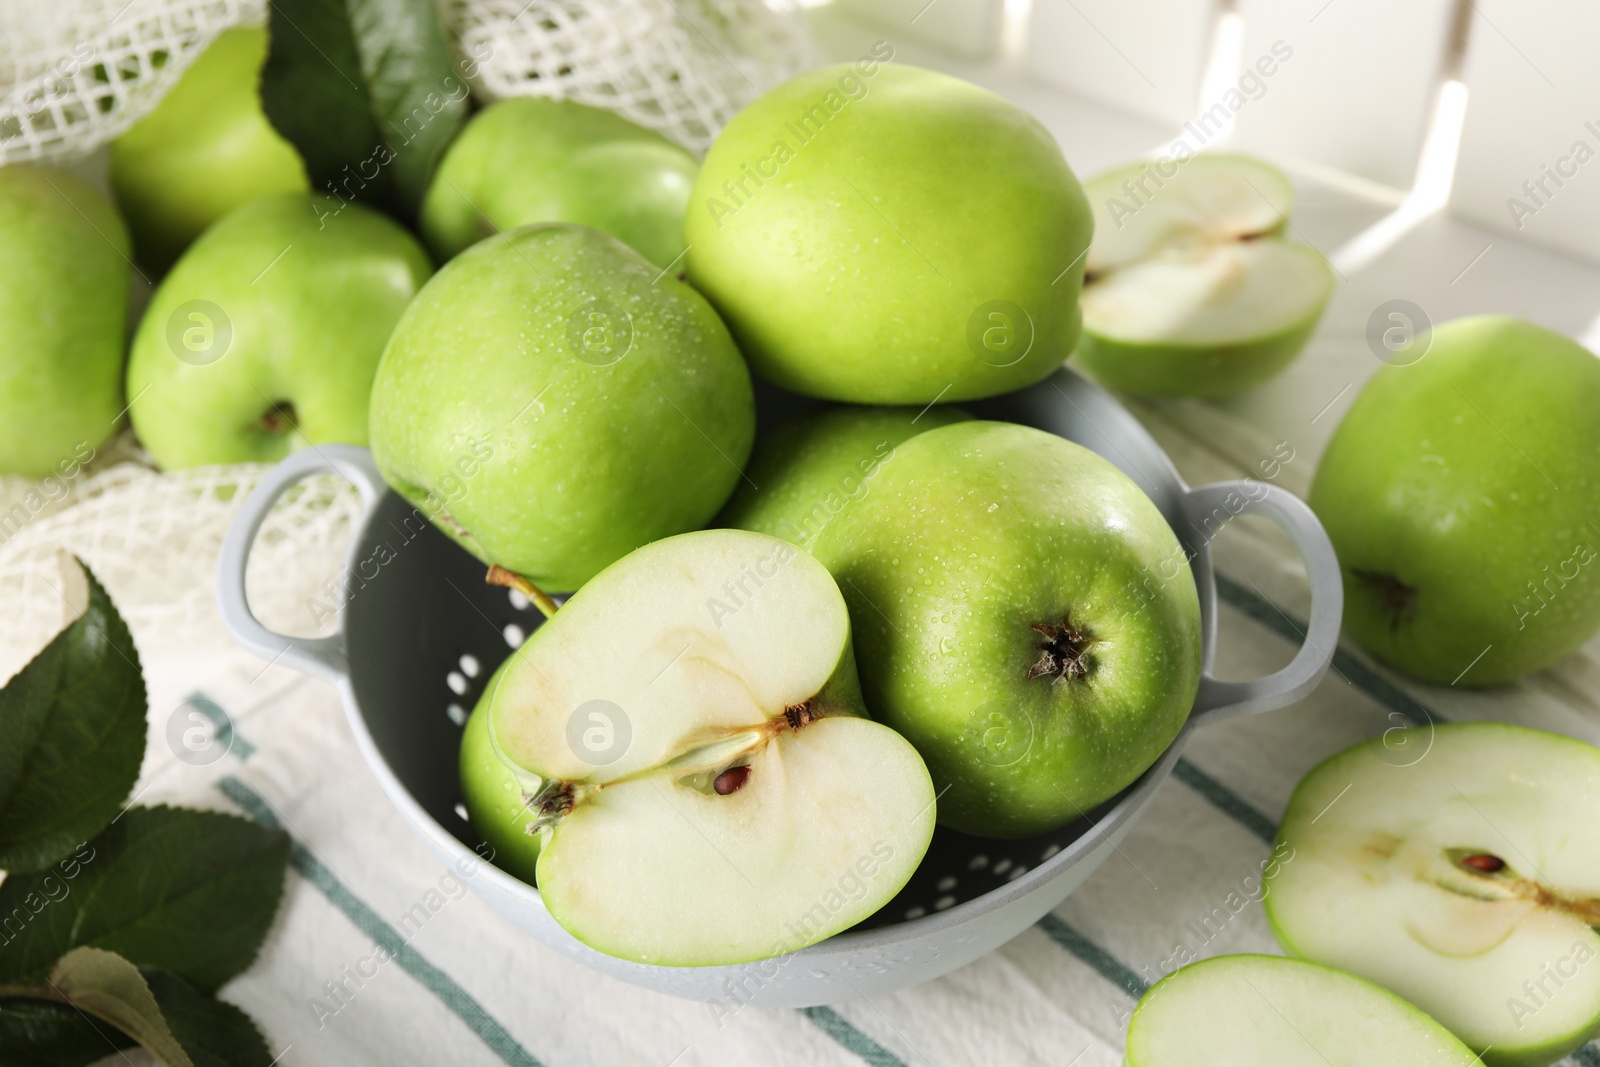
column 499, row 575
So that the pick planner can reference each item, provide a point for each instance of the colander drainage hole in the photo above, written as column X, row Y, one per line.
column 978, row 862
column 916, row 913
column 519, row 601
column 1002, row 867
column 1051, row 851
column 457, row 683
column 469, row 665
column 944, row 902
column 946, row 883
column 457, row 713
column 513, row 635
column 1016, row 873
column 461, row 811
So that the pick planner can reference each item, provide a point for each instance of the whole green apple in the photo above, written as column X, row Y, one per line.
column 532, row 159
column 265, row 336
column 805, row 471
column 64, row 306
column 552, row 402
column 1024, row 615
column 888, row 235
column 204, row 150
column 1462, row 494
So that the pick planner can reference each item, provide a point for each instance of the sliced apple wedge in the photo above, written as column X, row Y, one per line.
column 692, row 747
column 1467, row 881
column 1266, row 1011
column 1191, row 288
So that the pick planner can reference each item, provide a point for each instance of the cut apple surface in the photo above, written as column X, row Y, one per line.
column 1265, row 1011
column 690, row 739
column 1467, row 881
column 1191, row 287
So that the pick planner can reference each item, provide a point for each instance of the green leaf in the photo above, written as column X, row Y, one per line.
column 366, row 92
column 44, row 1033
column 213, row 1032
column 191, row 892
column 105, row 985
column 72, row 734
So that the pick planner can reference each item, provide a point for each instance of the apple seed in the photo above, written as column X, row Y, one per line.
column 1483, row 861
column 731, row 780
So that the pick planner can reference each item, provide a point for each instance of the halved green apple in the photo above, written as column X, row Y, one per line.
column 1467, row 881
column 692, row 747
column 1266, row 1011
column 1191, row 287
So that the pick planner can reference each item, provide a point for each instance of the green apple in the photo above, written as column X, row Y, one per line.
column 532, row 159
column 1024, row 615
column 1192, row 289
column 204, row 150
column 553, row 402
column 1462, row 493
column 1266, row 1011
column 64, row 306
column 493, row 793
column 888, row 235
column 804, row 472
column 1464, row 876
column 266, row 335
column 689, row 735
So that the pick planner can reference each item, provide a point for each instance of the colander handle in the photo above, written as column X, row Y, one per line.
column 1208, row 508
column 323, row 657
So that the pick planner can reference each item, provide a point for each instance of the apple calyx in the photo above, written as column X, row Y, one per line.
column 278, row 417
column 1396, row 599
column 499, row 575
column 1490, row 878
column 1064, row 653
column 720, row 765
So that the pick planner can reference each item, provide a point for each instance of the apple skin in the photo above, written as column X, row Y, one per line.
column 868, row 264
column 493, row 796
column 530, row 450
column 973, row 533
column 1437, row 477
column 1190, row 370
column 307, row 332
column 64, row 302
column 532, row 159
column 204, row 150
column 809, row 468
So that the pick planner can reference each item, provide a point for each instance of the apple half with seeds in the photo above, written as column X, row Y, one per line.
column 1466, row 880
column 1191, row 287
column 1266, row 1011
column 691, row 743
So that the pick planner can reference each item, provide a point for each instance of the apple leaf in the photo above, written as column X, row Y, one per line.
column 48, row 1033
column 72, row 735
column 191, row 892
column 367, row 93
column 105, row 985
column 213, row 1032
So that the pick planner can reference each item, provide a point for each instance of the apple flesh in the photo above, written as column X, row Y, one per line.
column 1465, row 878
column 1265, row 1011
column 265, row 336
column 64, row 310
column 1191, row 287
column 532, row 159
column 206, row 149
column 888, row 235
column 1024, row 615
column 807, row 470
column 553, row 401
column 1459, row 493
column 689, row 734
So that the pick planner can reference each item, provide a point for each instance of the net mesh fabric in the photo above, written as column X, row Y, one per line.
column 76, row 73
